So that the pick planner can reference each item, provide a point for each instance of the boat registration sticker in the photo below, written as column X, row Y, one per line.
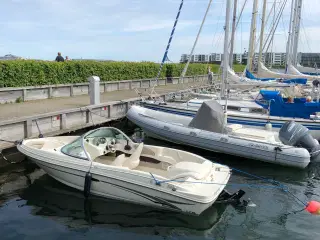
column 258, row 146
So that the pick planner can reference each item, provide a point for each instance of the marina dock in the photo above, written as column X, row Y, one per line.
column 54, row 110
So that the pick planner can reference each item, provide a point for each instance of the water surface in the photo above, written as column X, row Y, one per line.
column 35, row 206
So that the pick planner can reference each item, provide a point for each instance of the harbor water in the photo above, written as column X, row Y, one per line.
column 35, row 206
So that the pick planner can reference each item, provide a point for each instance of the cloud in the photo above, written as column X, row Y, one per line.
column 141, row 26
column 133, row 29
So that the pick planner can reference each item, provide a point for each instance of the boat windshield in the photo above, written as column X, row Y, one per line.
column 75, row 149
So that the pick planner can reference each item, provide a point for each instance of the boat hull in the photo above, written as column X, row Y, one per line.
column 287, row 156
column 248, row 120
column 117, row 185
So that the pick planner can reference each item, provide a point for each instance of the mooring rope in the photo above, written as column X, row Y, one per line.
column 276, row 184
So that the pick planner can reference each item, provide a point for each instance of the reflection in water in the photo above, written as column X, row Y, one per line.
column 59, row 201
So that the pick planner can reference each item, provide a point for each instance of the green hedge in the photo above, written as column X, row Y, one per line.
column 20, row 73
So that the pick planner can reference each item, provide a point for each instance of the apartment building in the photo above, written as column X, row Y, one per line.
column 197, row 58
column 270, row 59
column 309, row 59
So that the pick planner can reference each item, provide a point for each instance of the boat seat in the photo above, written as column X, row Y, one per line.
column 167, row 159
column 93, row 151
column 189, row 169
column 129, row 162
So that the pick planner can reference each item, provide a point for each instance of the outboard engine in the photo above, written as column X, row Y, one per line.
column 297, row 135
column 315, row 83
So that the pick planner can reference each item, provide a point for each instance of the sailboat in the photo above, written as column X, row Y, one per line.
column 291, row 51
column 248, row 80
column 247, row 76
column 208, row 130
column 308, row 70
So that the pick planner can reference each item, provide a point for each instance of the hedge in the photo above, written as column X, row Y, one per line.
column 20, row 73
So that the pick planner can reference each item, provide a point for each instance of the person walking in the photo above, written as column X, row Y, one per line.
column 59, row 58
column 210, row 76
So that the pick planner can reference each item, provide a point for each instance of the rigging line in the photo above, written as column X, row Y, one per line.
column 277, row 21
column 272, row 9
column 195, row 42
column 305, row 34
column 271, row 29
column 274, row 26
column 240, row 15
column 236, row 27
column 215, row 33
column 284, row 28
column 168, row 46
column 40, row 134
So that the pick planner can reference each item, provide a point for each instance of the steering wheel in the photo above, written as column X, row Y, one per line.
column 111, row 146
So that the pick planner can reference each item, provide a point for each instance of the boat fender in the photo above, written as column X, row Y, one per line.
column 268, row 126
column 87, row 184
column 315, row 83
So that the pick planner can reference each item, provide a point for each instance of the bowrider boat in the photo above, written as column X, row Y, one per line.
column 108, row 163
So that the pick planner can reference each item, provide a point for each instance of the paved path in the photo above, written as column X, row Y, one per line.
column 16, row 110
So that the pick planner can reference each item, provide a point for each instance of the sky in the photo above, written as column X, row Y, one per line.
column 136, row 30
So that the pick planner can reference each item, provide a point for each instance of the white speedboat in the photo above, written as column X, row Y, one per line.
column 107, row 163
column 207, row 130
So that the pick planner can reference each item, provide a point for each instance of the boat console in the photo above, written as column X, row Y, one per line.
column 102, row 141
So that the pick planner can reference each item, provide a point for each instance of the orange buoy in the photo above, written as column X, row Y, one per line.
column 313, row 207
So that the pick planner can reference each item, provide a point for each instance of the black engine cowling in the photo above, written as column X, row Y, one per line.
column 297, row 135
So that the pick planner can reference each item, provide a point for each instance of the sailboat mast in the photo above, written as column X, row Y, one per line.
column 272, row 39
column 296, row 33
column 252, row 35
column 264, row 8
column 289, row 42
column 225, row 50
column 233, row 31
column 293, row 33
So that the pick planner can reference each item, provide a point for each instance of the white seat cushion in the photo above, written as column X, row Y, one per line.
column 129, row 162
column 119, row 160
column 190, row 169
